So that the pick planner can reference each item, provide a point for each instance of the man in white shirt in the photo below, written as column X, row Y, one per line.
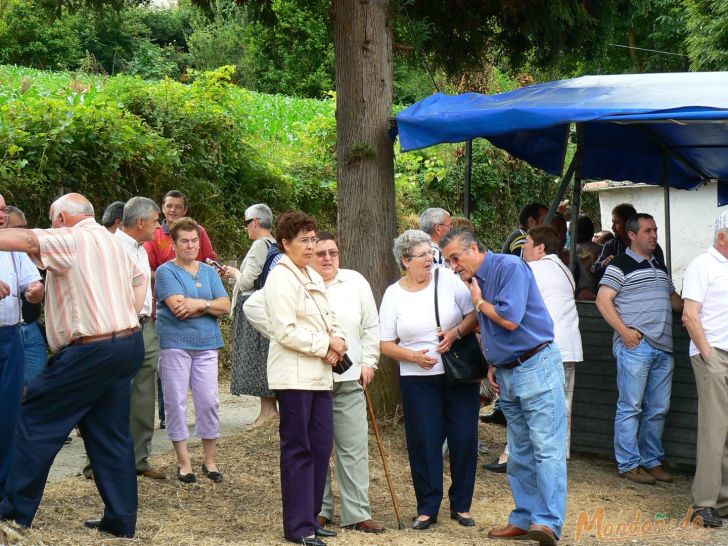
column 705, row 315
column 17, row 275
column 140, row 219
column 436, row 223
column 352, row 301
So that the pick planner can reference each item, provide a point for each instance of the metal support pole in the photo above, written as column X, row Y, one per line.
column 468, row 177
column 565, row 181
column 666, row 201
column 576, row 205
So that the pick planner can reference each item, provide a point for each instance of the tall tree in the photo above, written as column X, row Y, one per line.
column 367, row 221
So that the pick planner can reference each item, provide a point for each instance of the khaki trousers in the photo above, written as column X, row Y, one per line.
column 710, row 485
column 143, row 398
column 352, row 455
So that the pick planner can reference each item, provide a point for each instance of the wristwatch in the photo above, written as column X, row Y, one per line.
column 207, row 306
column 478, row 303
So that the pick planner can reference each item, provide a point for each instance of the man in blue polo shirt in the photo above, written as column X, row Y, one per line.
column 517, row 337
column 636, row 297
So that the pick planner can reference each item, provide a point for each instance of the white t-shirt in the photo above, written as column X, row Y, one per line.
column 706, row 281
column 556, row 285
column 410, row 316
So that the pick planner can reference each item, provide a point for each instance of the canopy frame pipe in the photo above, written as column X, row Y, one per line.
column 576, row 205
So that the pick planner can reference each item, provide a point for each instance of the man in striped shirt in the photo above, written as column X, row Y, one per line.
column 636, row 297
column 94, row 292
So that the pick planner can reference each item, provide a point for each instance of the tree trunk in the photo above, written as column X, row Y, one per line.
column 367, row 221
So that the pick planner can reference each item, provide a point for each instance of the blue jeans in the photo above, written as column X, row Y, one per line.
column 532, row 399
column 644, row 381
column 36, row 352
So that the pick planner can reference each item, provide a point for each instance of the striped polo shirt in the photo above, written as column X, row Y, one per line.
column 89, row 287
column 643, row 297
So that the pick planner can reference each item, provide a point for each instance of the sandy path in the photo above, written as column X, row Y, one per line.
column 235, row 413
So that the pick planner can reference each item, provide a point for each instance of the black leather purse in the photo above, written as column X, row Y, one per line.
column 464, row 362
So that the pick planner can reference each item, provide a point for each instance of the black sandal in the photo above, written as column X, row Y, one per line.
column 213, row 475
column 186, row 478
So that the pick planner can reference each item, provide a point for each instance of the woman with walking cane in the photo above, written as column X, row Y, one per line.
column 353, row 304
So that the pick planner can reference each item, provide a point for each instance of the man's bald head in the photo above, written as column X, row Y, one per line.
column 70, row 209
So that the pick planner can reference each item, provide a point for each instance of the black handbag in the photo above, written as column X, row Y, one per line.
column 464, row 362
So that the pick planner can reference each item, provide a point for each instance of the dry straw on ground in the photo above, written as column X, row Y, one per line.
column 246, row 508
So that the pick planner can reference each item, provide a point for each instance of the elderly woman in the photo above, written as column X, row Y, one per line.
column 556, row 284
column 305, row 343
column 433, row 409
column 353, row 303
column 190, row 297
column 250, row 348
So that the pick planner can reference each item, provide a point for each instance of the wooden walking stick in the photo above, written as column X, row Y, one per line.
column 378, row 437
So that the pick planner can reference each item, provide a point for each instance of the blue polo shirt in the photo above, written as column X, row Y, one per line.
column 507, row 282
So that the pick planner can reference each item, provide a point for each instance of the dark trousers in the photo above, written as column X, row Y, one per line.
column 11, row 392
column 88, row 385
column 434, row 411
column 307, row 437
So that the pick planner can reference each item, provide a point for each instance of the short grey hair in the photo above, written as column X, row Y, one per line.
column 721, row 226
column 431, row 217
column 262, row 212
column 71, row 204
column 136, row 208
column 15, row 210
column 404, row 244
column 112, row 213
column 464, row 236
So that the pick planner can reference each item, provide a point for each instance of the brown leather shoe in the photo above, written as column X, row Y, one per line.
column 639, row 475
column 543, row 535
column 154, row 473
column 509, row 531
column 366, row 526
column 323, row 521
column 659, row 473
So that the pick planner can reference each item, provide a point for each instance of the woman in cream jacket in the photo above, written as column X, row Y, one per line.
column 305, row 342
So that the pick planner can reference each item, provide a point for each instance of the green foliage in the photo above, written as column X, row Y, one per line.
column 294, row 52
column 111, row 138
column 707, row 41
column 500, row 186
column 218, row 39
column 29, row 38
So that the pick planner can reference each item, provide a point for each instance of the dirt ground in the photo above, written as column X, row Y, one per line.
column 246, row 509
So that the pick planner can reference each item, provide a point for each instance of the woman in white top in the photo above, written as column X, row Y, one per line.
column 557, row 287
column 433, row 409
column 250, row 348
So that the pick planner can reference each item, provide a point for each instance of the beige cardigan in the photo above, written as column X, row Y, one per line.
column 284, row 312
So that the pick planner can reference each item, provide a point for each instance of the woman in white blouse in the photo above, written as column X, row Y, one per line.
column 556, row 284
column 433, row 409
column 250, row 348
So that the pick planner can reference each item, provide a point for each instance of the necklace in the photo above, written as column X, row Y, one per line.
column 195, row 276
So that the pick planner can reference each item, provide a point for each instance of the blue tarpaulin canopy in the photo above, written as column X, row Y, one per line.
column 652, row 128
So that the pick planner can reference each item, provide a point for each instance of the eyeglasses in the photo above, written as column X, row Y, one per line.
column 247, row 222
column 322, row 253
column 308, row 240
column 427, row 254
column 448, row 226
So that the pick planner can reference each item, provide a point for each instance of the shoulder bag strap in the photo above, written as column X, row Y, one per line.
column 437, row 314
column 326, row 324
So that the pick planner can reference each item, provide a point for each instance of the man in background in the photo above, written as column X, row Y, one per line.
column 436, row 223
column 111, row 219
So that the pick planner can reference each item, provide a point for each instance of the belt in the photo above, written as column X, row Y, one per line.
column 105, row 337
column 525, row 356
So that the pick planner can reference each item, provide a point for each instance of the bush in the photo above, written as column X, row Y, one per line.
column 219, row 40
column 29, row 37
